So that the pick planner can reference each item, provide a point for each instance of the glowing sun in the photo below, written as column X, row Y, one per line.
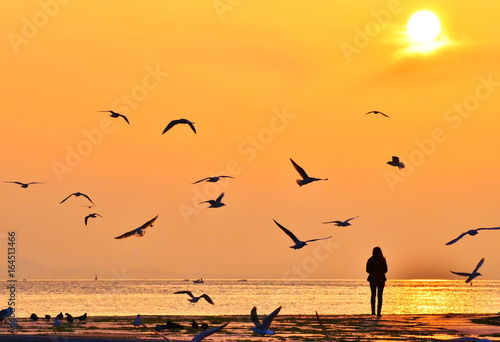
column 423, row 27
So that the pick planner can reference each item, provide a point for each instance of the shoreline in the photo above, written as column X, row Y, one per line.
column 419, row 327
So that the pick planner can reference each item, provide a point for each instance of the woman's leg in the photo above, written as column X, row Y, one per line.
column 379, row 297
column 373, row 289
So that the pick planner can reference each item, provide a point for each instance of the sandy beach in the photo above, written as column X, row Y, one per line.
column 436, row 327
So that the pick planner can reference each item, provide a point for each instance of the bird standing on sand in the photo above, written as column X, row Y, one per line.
column 471, row 232
column 138, row 231
column 263, row 328
column 4, row 313
column 395, row 162
column 34, row 317
column 93, row 215
column 212, row 179
column 137, row 321
column 69, row 318
column 82, row 317
column 77, row 194
column 194, row 299
column 305, row 178
column 57, row 322
column 342, row 223
column 377, row 112
column 471, row 276
column 180, row 121
column 25, row 185
column 215, row 203
column 298, row 243
column 115, row 114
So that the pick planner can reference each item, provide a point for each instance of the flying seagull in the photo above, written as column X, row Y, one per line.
column 77, row 194
column 138, row 231
column 25, row 185
column 180, row 121
column 305, row 178
column 323, row 328
column 115, row 115
column 194, row 299
column 298, row 244
column 215, row 203
column 471, row 232
column 206, row 333
column 470, row 276
column 212, row 179
column 93, row 215
column 377, row 112
column 395, row 162
column 342, row 223
column 263, row 328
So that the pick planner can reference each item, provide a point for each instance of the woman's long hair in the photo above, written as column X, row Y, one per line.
column 377, row 253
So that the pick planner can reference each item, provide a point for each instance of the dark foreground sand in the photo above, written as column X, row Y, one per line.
column 288, row 328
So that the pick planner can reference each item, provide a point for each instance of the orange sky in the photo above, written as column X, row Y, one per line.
column 263, row 82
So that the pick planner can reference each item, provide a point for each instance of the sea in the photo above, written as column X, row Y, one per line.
column 239, row 296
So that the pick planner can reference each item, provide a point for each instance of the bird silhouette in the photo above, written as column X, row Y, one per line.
column 82, row 317
column 298, row 243
column 471, row 276
column 206, row 333
column 93, row 215
column 395, row 162
column 194, row 299
column 69, row 318
column 305, row 178
column 25, row 185
column 377, row 112
column 180, row 121
column 57, row 322
column 342, row 223
column 263, row 328
column 138, row 231
column 217, row 203
column 212, row 179
column 77, row 194
column 115, row 115
column 471, row 232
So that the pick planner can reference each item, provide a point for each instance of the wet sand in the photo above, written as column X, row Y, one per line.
column 436, row 327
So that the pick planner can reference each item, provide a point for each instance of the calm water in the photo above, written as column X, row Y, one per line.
column 232, row 297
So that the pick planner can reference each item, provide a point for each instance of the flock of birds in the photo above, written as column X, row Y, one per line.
column 217, row 203
column 262, row 328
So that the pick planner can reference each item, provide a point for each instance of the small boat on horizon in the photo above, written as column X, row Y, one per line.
column 198, row 281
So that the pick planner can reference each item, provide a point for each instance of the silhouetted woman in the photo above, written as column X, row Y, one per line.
column 376, row 266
